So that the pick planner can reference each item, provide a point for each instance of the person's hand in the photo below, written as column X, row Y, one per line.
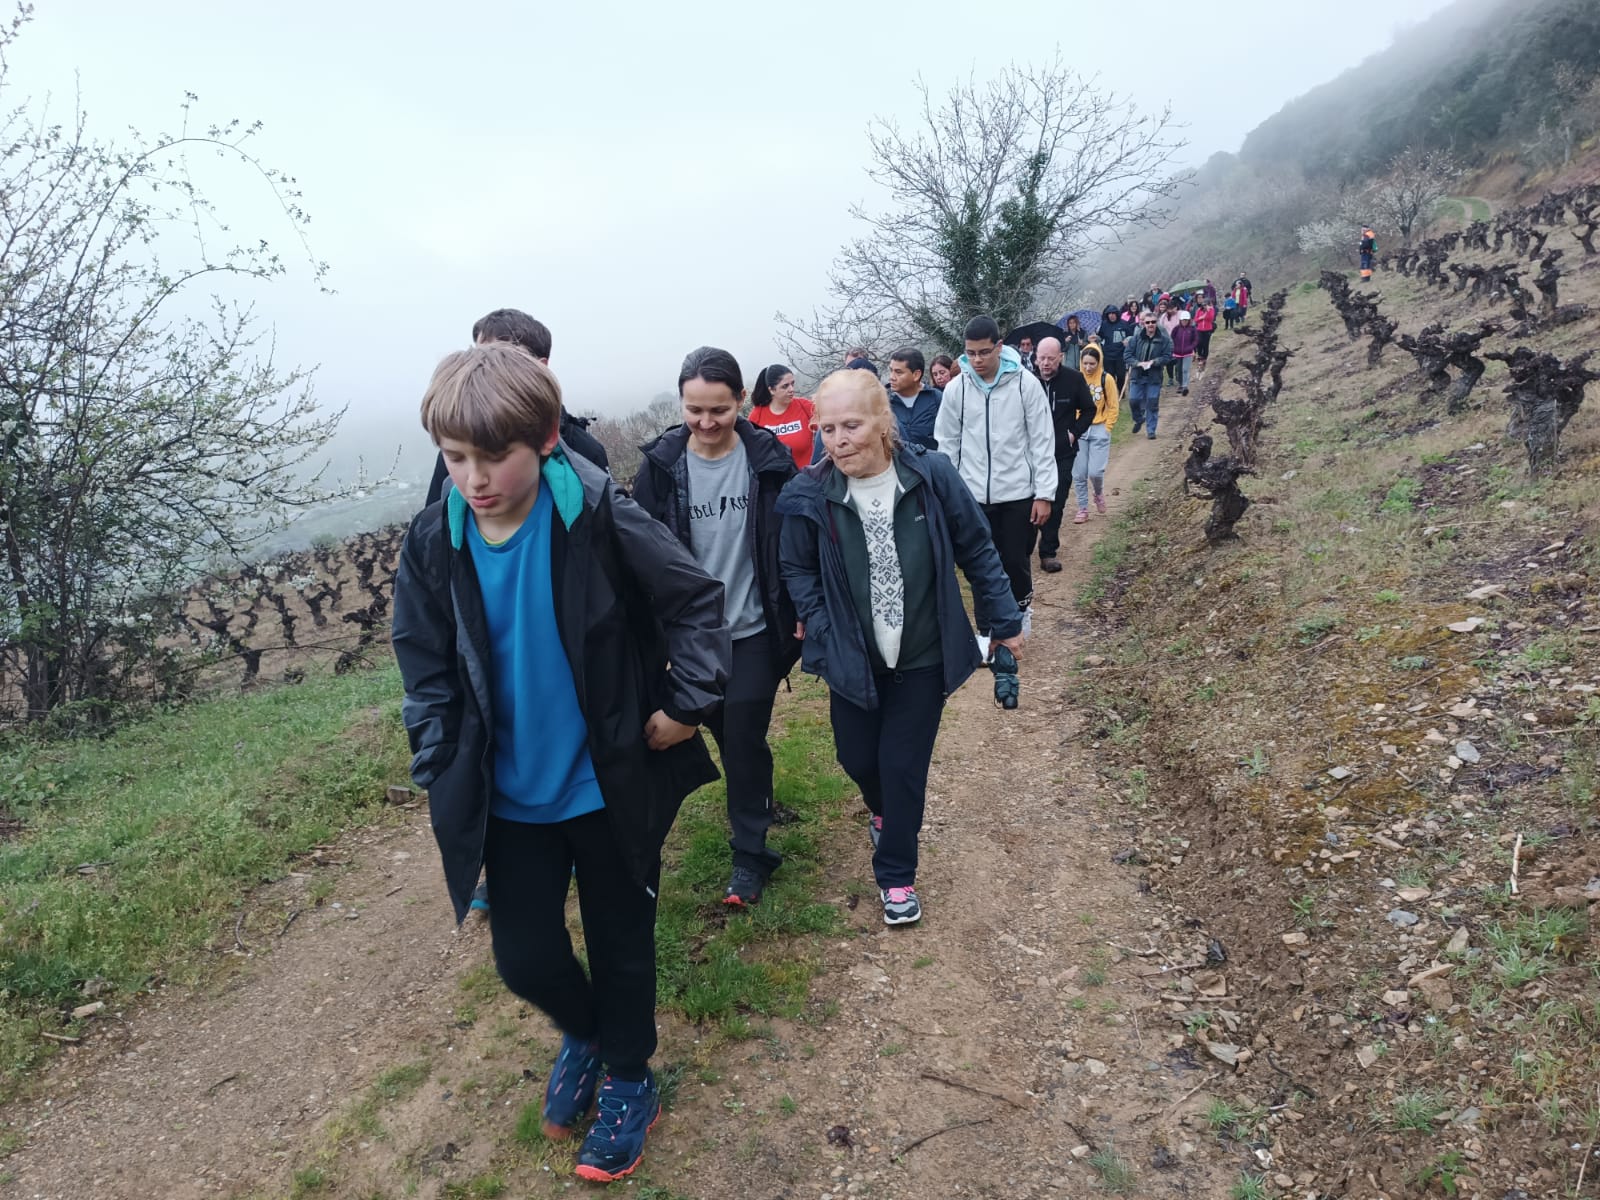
column 799, row 631
column 1040, row 513
column 661, row 732
column 1013, row 644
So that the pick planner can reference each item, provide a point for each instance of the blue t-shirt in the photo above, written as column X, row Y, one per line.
column 542, row 769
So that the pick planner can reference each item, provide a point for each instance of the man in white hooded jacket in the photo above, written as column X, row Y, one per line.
column 994, row 424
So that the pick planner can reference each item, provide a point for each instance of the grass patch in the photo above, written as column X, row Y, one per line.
column 399, row 1082
column 484, row 1187
column 717, row 966
column 1116, row 1173
column 139, row 848
column 1108, row 555
column 1233, row 1120
column 1402, row 496
column 1415, row 1111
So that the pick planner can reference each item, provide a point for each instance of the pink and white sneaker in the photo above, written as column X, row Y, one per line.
column 900, row 906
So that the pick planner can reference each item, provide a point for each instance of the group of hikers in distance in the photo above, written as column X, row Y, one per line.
column 562, row 642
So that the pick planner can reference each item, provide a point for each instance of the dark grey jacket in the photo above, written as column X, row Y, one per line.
column 1142, row 346
column 629, row 601
column 835, row 645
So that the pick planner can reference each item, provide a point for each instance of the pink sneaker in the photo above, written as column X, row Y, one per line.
column 1100, row 504
column 1082, row 517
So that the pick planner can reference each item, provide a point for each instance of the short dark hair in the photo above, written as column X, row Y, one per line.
column 761, row 394
column 514, row 326
column 982, row 328
column 713, row 366
column 911, row 356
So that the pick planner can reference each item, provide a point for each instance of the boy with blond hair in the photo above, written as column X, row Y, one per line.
column 558, row 649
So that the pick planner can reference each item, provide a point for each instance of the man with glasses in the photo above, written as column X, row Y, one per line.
column 994, row 424
column 1147, row 354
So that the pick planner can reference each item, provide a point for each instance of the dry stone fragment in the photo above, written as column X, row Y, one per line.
column 1224, row 1052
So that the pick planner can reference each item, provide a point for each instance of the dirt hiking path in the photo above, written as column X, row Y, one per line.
column 1019, row 1024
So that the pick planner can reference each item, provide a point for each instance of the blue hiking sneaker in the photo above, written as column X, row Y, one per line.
column 901, row 906
column 615, row 1144
column 480, row 898
column 569, row 1095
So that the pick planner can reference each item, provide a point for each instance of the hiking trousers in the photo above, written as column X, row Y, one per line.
column 1144, row 401
column 887, row 751
column 530, row 868
column 1050, row 531
column 1014, row 534
column 1094, row 453
column 740, row 727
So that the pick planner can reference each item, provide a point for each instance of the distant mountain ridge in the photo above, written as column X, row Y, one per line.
column 1477, row 73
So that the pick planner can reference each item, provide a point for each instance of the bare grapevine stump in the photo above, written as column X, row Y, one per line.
column 1428, row 348
column 1217, row 479
column 1382, row 330
column 1545, row 394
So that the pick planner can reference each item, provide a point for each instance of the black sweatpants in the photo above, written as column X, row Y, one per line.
column 1050, row 531
column 887, row 751
column 1014, row 535
column 740, row 727
column 529, row 869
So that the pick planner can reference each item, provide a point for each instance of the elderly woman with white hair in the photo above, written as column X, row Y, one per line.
column 872, row 537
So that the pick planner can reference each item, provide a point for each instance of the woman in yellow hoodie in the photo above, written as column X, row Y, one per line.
column 1094, row 448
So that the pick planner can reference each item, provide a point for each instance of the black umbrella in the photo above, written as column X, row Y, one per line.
column 1037, row 330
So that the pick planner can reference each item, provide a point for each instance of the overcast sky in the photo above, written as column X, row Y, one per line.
column 644, row 178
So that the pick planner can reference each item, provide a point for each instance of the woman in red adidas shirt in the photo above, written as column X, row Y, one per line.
column 774, row 406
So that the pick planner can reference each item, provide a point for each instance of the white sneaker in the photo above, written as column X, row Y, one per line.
column 1027, row 622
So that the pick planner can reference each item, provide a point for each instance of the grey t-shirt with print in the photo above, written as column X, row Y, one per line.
column 719, row 516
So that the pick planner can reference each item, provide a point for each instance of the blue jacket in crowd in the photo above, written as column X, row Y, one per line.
column 916, row 421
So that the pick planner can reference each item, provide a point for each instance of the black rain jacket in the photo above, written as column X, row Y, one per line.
column 642, row 628
column 662, row 489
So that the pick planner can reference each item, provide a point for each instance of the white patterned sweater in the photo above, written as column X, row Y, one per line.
column 873, row 499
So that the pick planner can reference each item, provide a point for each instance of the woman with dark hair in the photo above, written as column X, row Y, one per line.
column 941, row 370
column 872, row 537
column 714, row 482
column 1073, row 340
column 774, row 406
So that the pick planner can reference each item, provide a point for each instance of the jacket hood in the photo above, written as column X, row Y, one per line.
column 562, row 475
column 1010, row 364
column 765, row 452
